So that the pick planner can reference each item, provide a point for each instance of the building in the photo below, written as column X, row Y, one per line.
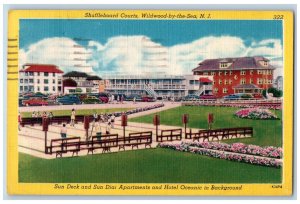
column 80, row 82
column 44, row 78
column 237, row 75
column 158, row 85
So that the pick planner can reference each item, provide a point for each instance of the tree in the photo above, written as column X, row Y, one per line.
column 274, row 91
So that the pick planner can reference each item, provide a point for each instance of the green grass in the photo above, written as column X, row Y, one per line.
column 80, row 112
column 266, row 132
column 143, row 166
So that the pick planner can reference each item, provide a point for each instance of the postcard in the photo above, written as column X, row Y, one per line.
column 150, row 102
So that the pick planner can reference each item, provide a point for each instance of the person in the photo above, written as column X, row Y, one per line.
column 50, row 116
column 19, row 121
column 122, row 99
column 108, row 128
column 63, row 131
column 73, row 114
column 98, row 130
column 133, row 100
column 112, row 120
column 118, row 99
column 112, row 98
column 95, row 115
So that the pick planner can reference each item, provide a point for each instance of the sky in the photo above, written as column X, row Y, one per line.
column 176, row 47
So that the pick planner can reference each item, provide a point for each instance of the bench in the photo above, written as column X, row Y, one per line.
column 224, row 133
column 105, row 142
column 169, row 135
column 64, row 145
column 136, row 139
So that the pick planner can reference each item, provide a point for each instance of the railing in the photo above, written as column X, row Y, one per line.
column 169, row 135
column 141, row 86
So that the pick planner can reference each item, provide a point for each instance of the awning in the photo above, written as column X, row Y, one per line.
column 205, row 80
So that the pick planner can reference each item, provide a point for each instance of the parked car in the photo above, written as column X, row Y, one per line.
column 232, row 96
column 68, row 100
column 148, row 99
column 246, row 96
column 257, row 95
column 131, row 97
column 190, row 97
column 35, row 102
column 208, row 96
column 91, row 100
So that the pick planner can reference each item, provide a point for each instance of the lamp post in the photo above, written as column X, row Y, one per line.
column 45, row 124
column 124, row 123
column 156, row 122
column 185, row 120
column 210, row 120
column 86, row 121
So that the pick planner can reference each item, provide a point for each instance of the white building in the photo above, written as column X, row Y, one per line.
column 83, row 82
column 158, row 85
column 44, row 78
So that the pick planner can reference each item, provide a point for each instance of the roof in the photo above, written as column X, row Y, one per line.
column 90, row 78
column 205, row 80
column 236, row 64
column 246, row 86
column 75, row 74
column 50, row 68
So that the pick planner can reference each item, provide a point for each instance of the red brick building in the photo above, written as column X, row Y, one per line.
column 237, row 75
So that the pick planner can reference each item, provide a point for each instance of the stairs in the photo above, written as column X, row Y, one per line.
column 150, row 91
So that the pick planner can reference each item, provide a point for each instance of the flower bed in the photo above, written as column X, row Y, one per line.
column 269, row 151
column 235, row 105
column 256, row 114
column 137, row 110
column 231, row 156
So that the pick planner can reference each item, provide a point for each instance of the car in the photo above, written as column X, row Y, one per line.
column 148, row 99
column 104, row 97
column 232, row 96
column 257, row 95
column 91, row 100
column 131, row 97
column 190, row 97
column 35, row 102
column 68, row 100
column 208, row 96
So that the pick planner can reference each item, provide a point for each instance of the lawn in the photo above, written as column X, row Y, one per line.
column 143, row 166
column 266, row 132
column 80, row 112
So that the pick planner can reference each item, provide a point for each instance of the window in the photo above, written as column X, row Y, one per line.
column 59, row 88
column 230, row 81
column 225, row 90
column 230, row 73
column 53, row 81
column 31, row 81
column 243, row 81
column 30, row 73
column 46, row 88
column 220, row 73
column 225, row 81
column 46, row 81
column 216, row 90
column 225, row 73
column 265, row 63
column 259, row 81
column 213, row 73
column 192, row 82
column 21, row 88
column 53, row 88
column 223, row 64
column 259, row 71
column 26, row 81
column 243, row 72
column 59, row 81
column 251, row 72
column 21, row 81
column 251, row 81
column 220, row 81
column 205, row 73
column 26, row 73
column 25, row 88
column 38, row 81
column 46, row 74
column 38, row 73
column 53, row 74
column 214, row 82
column 38, row 88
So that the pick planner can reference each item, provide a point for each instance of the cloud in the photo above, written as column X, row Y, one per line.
column 63, row 52
column 141, row 55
